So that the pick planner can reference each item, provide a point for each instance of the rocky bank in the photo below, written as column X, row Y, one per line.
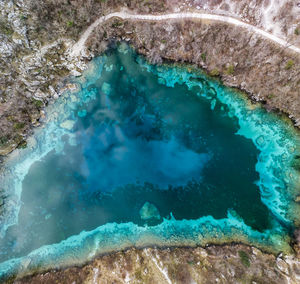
column 36, row 38
column 35, row 42
column 213, row 264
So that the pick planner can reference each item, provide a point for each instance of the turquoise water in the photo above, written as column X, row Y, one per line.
column 146, row 155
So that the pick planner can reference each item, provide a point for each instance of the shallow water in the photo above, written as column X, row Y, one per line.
column 138, row 143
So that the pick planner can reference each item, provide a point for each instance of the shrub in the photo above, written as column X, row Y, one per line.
column 116, row 24
column 297, row 31
column 289, row 64
column 214, row 72
column 3, row 140
column 23, row 17
column 5, row 29
column 19, row 125
column 229, row 70
column 70, row 24
column 22, row 145
column 244, row 258
column 38, row 103
column 203, row 56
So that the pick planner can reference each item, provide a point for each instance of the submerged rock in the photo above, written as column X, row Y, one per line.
column 67, row 124
column 82, row 113
column 149, row 211
column 106, row 88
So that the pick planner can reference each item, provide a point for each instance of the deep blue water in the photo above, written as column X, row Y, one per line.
column 139, row 141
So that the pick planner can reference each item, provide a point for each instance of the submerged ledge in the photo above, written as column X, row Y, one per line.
column 276, row 139
column 108, row 238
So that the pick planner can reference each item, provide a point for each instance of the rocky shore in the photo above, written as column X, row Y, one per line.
column 242, row 60
column 35, row 51
column 35, row 58
column 214, row 264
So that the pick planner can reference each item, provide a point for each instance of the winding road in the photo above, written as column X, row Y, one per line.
column 79, row 45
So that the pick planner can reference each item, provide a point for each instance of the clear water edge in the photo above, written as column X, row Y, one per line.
column 292, row 176
column 193, row 232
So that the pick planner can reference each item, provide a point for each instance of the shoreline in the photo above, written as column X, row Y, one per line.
column 280, row 113
column 184, row 67
column 129, row 29
column 74, row 251
column 14, row 157
column 158, row 255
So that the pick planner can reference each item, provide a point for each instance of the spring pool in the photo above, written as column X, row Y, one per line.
column 146, row 155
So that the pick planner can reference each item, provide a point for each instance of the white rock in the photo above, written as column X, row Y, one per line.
column 75, row 73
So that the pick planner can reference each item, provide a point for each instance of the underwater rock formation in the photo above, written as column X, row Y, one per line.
column 268, row 73
column 144, row 151
column 149, row 211
column 32, row 65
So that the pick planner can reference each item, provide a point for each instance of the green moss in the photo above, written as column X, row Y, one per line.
column 229, row 70
column 289, row 64
column 214, row 72
column 270, row 96
column 19, row 125
column 244, row 258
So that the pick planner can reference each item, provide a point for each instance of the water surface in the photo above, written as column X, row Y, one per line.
column 142, row 145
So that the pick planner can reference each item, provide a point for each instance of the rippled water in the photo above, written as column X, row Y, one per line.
column 147, row 146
